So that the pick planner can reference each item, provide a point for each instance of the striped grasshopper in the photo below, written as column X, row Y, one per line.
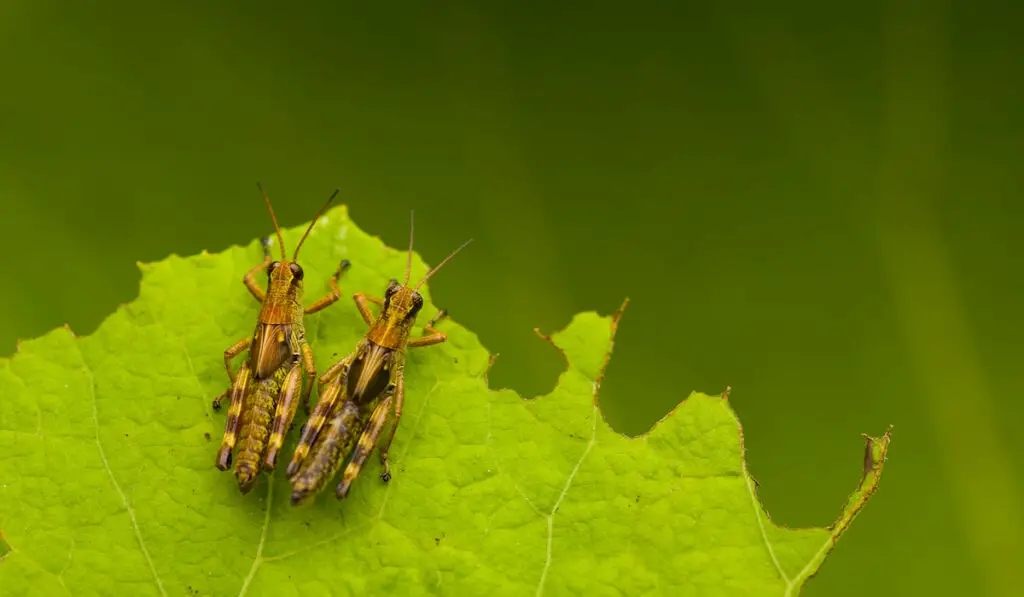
column 264, row 392
column 362, row 390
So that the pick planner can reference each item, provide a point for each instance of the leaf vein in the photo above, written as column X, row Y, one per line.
column 497, row 465
column 764, row 532
column 110, row 473
column 565, row 490
column 263, row 538
column 802, row 575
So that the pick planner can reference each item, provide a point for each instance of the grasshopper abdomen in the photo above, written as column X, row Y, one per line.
column 257, row 413
column 329, row 450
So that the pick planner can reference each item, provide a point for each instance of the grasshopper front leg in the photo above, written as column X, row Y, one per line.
column 335, row 293
column 250, row 277
column 363, row 304
column 431, row 336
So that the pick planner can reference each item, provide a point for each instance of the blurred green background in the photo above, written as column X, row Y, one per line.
column 818, row 205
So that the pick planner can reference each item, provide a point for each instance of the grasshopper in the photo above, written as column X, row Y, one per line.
column 362, row 390
column 264, row 392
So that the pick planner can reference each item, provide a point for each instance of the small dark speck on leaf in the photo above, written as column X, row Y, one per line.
column 456, row 359
column 207, row 436
column 437, row 541
column 638, row 499
column 179, row 397
column 126, row 435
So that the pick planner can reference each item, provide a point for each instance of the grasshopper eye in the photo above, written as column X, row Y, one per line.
column 273, row 265
column 392, row 287
column 417, row 304
column 297, row 272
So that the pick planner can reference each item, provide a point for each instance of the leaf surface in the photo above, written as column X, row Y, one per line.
column 108, row 485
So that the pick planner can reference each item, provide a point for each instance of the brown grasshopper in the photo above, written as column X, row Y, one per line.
column 264, row 392
column 364, row 388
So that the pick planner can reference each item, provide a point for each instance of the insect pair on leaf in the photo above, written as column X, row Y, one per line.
column 357, row 395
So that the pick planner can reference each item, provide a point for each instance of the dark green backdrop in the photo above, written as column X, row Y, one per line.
column 818, row 205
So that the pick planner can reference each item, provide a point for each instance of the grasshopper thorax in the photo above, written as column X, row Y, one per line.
column 373, row 364
column 279, row 320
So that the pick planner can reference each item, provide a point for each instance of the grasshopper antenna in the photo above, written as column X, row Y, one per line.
column 280, row 239
column 408, row 264
column 439, row 265
column 311, row 224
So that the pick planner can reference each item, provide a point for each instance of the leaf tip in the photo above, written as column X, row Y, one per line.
column 614, row 328
column 70, row 331
column 490, row 363
column 875, row 449
column 874, row 458
column 618, row 313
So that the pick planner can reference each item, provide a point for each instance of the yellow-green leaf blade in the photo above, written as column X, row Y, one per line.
column 108, row 485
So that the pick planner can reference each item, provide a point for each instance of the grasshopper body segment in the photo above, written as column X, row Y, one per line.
column 266, row 391
column 258, row 409
column 362, row 391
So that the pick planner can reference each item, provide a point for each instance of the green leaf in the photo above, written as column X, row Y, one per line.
column 108, row 485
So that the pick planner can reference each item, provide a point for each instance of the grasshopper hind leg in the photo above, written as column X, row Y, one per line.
column 367, row 442
column 399, row 402
column 287, row 404
column 237, row 393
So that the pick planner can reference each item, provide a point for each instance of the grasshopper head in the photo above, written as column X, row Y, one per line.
column 401, row 302
column 285, row 274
